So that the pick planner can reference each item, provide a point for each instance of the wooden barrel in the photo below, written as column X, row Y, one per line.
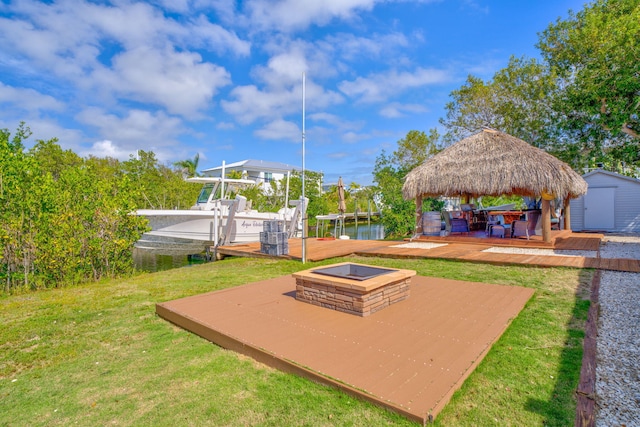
column 431, row 223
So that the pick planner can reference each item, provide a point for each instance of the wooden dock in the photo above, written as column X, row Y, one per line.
column 462, row 248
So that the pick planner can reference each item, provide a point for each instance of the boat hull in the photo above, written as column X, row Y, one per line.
column 192, row 232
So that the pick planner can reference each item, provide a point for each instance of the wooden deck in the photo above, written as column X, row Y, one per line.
column 409, row 357
column 459, row 247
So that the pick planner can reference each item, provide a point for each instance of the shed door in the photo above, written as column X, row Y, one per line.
column 599, row 209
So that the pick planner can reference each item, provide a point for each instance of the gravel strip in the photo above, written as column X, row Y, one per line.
column 616, row 249
column 618, row 350
column 618, row 343
column 545, row 252
column 628, row 247
column 622, row 238
column 420, row 245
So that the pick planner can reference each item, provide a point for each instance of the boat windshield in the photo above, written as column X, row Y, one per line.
column 205, row 193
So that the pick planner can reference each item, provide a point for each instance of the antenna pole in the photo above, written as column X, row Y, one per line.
column 304, row 208
column 222, row 173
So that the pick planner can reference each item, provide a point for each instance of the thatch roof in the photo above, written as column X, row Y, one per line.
column 493, row 163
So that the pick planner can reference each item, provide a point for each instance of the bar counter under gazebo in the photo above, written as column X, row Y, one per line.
column 493, row 163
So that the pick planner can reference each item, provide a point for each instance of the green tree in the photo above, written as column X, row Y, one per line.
column 160, row 187
column 189, row 167
column 312, row 189
column 19, row 192
column 597, row 52
column 417, row 147
column 52, row 158
column 473, row 107
column 397, row 214
column 525, row 91
column 62, row 220
column 365, row 198
column 517, row 101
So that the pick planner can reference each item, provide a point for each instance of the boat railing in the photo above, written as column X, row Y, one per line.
column 224, row 212
column 298, row 212
column 227, row 227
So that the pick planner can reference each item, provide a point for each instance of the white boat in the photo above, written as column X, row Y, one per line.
column 215, row 220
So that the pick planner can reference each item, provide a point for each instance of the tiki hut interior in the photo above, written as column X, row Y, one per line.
column 493, row 163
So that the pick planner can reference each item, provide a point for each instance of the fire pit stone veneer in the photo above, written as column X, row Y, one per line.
column 361, row 290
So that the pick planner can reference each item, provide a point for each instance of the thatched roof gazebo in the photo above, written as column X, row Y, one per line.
column 493, row 163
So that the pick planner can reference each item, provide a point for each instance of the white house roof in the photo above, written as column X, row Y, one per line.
column 261, row 165
column 216, row 179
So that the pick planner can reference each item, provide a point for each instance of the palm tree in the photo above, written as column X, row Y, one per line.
column 188, row 167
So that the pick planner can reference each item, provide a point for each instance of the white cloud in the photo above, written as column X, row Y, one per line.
column 379, row 87
column 107, row 148
column 28, row 99
column 331, row 119
column 225, row 126
column 288, row 15
column 337, row 125
column 280, row 130
column 475, row 7
column 46, row 129
column 351, row 47
column 112, row 76
column 178, row 81
column 215, row 37
column 290, row 58
column 137, row 130
column 249, row 103
column 131, row 47
column 181, row 6
column 396, row 109
column 283, row 69
column 59, row 54
column 353, row 137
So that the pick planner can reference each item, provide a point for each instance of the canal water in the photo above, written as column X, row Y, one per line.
column 145, row 261
column 150, row 262
column 364, row 231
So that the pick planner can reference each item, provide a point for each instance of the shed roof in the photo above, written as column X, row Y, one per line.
column 612, row 174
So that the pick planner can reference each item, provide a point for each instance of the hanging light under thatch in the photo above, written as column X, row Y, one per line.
column 493, row 163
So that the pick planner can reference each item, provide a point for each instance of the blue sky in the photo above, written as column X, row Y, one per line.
column 224, row 78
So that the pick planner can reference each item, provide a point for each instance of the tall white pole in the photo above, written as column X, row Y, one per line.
column 222, row 181
column 304, row 208
column 286, row 194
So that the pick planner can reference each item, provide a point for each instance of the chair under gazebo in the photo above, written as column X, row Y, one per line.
column 493, row 163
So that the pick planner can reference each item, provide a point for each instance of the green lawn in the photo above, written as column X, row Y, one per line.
column 98, row 355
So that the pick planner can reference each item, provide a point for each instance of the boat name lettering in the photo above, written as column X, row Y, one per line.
column 251, row 224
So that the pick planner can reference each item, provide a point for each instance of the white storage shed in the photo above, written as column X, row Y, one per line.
column 612, row 203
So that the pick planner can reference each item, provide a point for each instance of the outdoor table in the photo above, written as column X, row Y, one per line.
column 509, row 216
column 321, row 224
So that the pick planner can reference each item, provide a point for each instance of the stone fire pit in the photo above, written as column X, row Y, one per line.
column 353, row 288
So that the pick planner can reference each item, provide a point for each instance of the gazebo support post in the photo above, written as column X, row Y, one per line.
column 567, row 214
column 546, row 221
column 418, row 215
